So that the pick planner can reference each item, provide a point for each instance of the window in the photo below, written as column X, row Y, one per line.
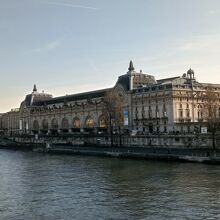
column 102, row 123
column 76, row 123
column 187, row 113
column 89, row 122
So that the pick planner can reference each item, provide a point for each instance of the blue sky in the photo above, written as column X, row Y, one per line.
column 70, row 46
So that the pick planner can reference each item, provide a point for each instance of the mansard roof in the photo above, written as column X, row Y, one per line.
column 210, row 84
column 168, row 79
column 74, row 97
column 27, row 100
column 124, row 81
column 36, row 97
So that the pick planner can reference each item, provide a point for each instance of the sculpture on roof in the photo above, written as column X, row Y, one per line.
column 35, row 88
column 131, row 66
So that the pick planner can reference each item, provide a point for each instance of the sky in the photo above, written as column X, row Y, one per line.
column 71, row 46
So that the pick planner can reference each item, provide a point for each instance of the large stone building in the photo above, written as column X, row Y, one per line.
column 10, row 122
column 1, row 126
column 149, row 105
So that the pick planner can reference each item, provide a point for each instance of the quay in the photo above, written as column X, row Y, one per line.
column 157, row 152
column 169, row 154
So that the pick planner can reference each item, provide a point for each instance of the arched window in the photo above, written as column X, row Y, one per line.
column 54, row 124
column 35, row 125
column 76, row 122
column 103, row 122
column 45, row 124
column 64, row 123
column 89, row 122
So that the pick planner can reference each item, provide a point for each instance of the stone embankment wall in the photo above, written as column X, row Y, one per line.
column 175, row 141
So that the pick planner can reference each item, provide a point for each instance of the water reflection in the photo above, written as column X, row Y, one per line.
column 40, row 186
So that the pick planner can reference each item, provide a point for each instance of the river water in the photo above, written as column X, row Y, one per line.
column 42, row 186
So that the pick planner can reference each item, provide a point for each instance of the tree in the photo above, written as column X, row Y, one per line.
column 113, row 109
column 212, row 112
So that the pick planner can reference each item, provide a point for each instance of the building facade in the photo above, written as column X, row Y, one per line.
column 149, row 106
column 1, row 126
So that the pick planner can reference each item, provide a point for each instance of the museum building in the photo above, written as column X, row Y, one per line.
column 149, row 106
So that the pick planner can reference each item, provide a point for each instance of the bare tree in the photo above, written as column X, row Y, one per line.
column 211, row 112
column 113, row 110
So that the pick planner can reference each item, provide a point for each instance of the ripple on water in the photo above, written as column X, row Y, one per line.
column 40, row 186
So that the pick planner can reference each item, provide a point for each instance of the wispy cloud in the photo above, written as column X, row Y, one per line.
column 213, row 12
column 201, row 43
column 199, row 52
column 63, row 4
column 47, row 47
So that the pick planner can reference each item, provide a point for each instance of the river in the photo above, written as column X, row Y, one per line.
column 41, row 186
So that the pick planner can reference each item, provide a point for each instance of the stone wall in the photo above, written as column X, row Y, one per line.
column 166, row 141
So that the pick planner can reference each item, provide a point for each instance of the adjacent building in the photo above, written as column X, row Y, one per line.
column 1, row 127
column 149, row 105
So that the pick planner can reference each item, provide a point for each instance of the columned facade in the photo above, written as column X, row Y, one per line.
column 171, row 105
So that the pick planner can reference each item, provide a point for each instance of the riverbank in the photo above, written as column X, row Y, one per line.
column 169, row 154
column 199, row 155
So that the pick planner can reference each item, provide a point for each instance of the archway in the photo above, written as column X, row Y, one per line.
column 54, row 126
column 102, row 123
column 76, row 125
column 64, row 125
column 35, row 128
column 45, row 126
column 89, row 123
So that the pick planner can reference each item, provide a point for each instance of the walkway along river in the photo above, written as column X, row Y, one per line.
column 61, row 145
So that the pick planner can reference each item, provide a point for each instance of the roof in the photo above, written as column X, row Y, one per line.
column 124, row 81
column 74, row 97
column 28, row 99
column 167, row 79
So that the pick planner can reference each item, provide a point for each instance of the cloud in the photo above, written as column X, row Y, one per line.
column 199, row 52
column 69, row 5
column 213, row 12
column 201, row 43
column 47, row 47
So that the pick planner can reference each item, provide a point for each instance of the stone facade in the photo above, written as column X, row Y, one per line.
column 152, row 106
column 10, row 122
column 1, row 126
